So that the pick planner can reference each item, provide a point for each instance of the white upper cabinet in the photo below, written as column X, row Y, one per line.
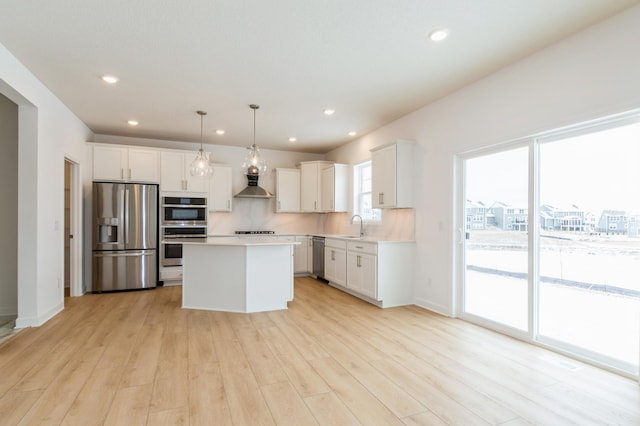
column 131, row 164
column 175, row 176
column 334, row 188
column 287, row 190
column 221, row 189
column 392, row 180
column 311, row 185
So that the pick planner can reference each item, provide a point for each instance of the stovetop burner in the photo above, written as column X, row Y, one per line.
column 254, row 232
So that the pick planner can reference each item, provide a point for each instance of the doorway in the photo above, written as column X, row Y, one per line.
column 72, row 231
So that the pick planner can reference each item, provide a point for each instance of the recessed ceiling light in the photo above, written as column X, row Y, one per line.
column 111, row 79
column 329, row 111
column 352, row 133
column 219, row 132
column 292, row 140
column 133, row 122
column 439, row 34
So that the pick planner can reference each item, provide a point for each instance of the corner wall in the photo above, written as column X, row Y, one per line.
column 9, row 207
column 48, row 132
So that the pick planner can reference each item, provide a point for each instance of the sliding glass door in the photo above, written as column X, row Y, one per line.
column 551, row 251
column 495, row 238
column 589, row 286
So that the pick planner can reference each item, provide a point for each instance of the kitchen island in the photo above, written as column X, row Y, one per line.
column 237, row 274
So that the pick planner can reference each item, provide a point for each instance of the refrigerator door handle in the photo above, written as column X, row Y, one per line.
column 126, row 216
column 136, row 253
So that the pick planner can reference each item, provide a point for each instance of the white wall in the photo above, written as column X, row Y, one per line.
column 48, row 132
column 592, row 74
column 9, row 207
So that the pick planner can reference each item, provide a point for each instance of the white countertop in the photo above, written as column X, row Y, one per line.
column 233, row 241
column 366, row 238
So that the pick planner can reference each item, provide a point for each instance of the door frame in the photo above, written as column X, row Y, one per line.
column 75, row 229
column 533, row 142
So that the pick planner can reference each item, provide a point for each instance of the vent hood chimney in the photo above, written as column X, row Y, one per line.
column 253, row 190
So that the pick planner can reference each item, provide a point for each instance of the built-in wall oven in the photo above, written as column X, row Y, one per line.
column 181, row 217
column 172, row 251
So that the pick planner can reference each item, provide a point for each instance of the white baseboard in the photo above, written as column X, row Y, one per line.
column 435, row 307
column 24, row 322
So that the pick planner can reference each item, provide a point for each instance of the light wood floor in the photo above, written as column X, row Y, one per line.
column 137, row 358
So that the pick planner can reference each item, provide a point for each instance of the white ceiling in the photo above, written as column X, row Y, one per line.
column 370, row 60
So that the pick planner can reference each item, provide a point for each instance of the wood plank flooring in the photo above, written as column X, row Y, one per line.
column 331, row 359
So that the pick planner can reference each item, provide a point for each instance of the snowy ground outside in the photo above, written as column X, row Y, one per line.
column 598, row 320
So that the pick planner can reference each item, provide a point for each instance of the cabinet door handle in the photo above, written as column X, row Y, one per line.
column 129, row 174
column 228, row 204
column 381, row 198
column 358, row 261
column 315, row 205
column 279, row 205
column 122, row 173
column 333, row 255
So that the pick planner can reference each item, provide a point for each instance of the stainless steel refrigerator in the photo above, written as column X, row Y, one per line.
column 125, row 236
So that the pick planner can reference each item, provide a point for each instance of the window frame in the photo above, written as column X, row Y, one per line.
column 358, row 194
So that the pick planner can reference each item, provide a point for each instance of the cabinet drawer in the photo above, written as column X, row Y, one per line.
column 329, row 242
column 361, row 247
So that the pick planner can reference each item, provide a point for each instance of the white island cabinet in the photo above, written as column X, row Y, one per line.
column 237, row 274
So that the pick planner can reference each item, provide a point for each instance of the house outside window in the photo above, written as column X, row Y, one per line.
column 362, row 193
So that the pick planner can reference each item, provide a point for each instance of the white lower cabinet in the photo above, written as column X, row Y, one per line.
column 361, row 273
column 378, row 272
column 300, row 256
column 335, row 261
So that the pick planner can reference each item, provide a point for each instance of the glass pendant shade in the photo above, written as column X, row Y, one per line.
column 201, row 165
column 254, row 163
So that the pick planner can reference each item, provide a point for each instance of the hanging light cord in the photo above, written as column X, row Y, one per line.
column 202, row 114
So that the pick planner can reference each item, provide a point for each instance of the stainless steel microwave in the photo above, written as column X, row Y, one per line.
column 184, row 211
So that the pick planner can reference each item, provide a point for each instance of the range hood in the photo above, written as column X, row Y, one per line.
column 253, row 190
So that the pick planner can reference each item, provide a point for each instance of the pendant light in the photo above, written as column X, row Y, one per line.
column 201, row 165
column 254, row 163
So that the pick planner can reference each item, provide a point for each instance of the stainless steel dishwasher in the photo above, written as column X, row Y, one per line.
column 318, row 257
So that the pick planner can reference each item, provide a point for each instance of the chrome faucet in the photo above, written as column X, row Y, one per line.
column 361, row 224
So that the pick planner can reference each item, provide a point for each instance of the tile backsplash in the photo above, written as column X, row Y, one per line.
column 396, row 224
column 258, row 215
